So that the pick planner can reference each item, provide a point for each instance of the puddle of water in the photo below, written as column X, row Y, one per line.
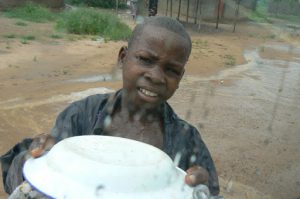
column 97, row 78
column 74, row 96
column 274, row 79
column 284, row 47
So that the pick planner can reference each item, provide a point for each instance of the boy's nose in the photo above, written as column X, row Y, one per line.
column 156, row 75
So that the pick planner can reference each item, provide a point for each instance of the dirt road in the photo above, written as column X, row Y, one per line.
column 241, row 90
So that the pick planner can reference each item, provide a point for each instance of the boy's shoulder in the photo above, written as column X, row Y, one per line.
column 177, row 122
column 92, row 100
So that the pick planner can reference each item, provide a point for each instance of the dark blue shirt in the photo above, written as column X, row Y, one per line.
column 88, row 117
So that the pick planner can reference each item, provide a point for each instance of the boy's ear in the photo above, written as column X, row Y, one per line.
column 122, row 54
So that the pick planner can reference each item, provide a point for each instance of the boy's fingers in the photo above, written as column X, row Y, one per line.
column 37, row 152
column 196, row 175
column 40, row 144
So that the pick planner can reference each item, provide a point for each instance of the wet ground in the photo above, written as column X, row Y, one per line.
column 250, row 117
column 241, row 90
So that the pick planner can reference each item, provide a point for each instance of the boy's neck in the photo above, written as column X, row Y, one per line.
column 141, row 114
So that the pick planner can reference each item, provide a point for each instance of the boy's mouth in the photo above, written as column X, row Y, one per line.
column 148, row 93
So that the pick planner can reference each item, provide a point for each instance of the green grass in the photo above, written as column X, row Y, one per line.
column 270, row 36
column 109, row 4
column 10, row 36
column 200, row 44
column 261, row 13
column 229, row 60
column 25, row 39
column 82, row 21
column 31, row 12
column 21, row 23
column 289, row 18
column 56, row 36
column 28, row 37
column 94, row 22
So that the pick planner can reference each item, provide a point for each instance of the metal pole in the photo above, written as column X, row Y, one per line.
column 171, row 9
column 167, row 7
column 196, row 13
column 236, row 14
column 187, row 11
column 218, row 15
column 179, row 8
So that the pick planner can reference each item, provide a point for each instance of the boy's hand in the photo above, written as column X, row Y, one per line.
column 196, row 175
column 40, row 144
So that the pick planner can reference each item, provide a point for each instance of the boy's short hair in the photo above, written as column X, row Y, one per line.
column 163, row 22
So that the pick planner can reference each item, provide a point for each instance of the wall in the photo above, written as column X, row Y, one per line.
column 208, row 8
column 5, row 4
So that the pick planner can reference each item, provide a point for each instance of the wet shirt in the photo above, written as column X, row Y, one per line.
column 91, row 116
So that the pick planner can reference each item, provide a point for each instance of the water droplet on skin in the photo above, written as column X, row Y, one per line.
column 177, row 159
column 107, row 121
column 193, row 158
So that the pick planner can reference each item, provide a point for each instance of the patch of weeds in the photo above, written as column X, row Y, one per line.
column 259, row 17
column 31, row 12
column 94, row 22
column 7, row 46
column 251, row 35
column 229, row 60
column 94, row 38
column 72, row 37
column 271, row 36
column 65, row 72
column 28, row 37
column 261, row 49
column 21, row 23
column 200, row 44
column 24, row 41
column 260, row 14
column 56, row 36
column 10, row 36
column 35, row 59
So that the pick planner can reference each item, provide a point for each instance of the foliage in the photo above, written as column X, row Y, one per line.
column 31, row 12
column 21, row 23
column 229, row 60
column 261, row 12
column 56, row 36
column 92, row 21
column 263, row 15
column 10, row 36
column 99, row 3
column 28, row 37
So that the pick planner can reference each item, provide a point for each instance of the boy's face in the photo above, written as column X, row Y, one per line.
column 153, row 66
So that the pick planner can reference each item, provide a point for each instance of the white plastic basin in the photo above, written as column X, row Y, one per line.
column 108, row 168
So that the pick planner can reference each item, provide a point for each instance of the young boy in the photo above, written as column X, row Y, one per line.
column 153, row 65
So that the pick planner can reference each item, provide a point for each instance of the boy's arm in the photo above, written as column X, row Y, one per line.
column 203, row 158
column 67, row 125
column 12, row 164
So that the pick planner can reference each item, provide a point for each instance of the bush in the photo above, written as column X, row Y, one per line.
column 31, row 12
column 92, row 21
column 98, row 3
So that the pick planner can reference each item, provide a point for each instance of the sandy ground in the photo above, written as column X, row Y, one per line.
column 242, row 90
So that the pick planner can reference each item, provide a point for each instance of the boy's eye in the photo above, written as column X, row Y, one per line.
column 144, row 60
column 173, row 71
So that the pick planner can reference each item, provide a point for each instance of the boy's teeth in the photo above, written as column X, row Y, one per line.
column 149, row 93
